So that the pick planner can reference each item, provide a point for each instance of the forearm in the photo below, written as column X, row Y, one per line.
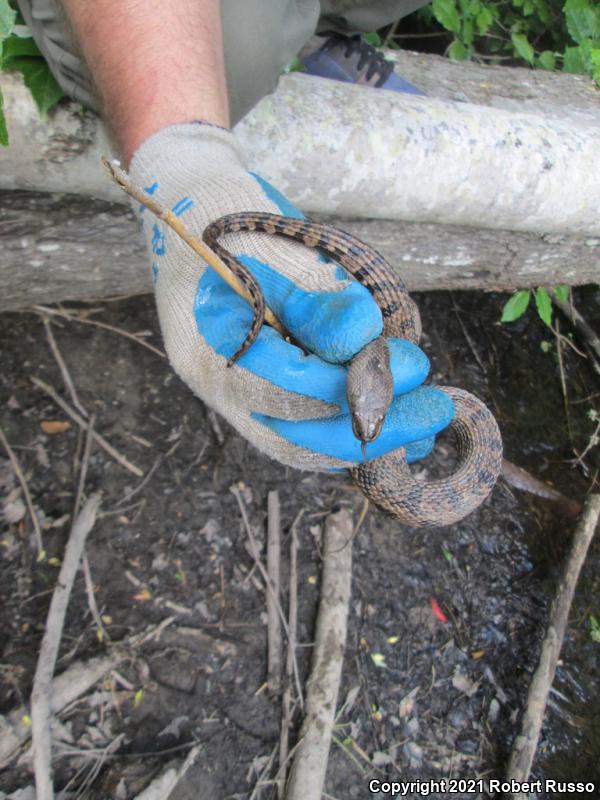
column 154, row 63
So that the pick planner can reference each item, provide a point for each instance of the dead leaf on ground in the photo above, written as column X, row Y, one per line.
column 52, row 426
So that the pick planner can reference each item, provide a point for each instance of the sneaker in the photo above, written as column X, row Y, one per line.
column 352, row 60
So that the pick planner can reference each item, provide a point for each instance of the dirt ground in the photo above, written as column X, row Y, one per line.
column 445, row 701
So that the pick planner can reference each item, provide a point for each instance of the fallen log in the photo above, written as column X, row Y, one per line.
column 501, row 147
column 57, row 247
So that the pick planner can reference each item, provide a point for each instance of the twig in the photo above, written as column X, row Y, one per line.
column 42, row 682
column 578, row 322
column 162, row 787
column 522, row 479
column 66, row 688
column 63, row 367
column 526, row 742
column 286, row 710
column 87, row 572
column 307, row 775
column 124, row 462
column 273, row 571
column 122, row 179
column 64, row 314
column 19, row 473
column 257, row 560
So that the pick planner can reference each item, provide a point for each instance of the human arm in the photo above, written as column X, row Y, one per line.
column 154, row 64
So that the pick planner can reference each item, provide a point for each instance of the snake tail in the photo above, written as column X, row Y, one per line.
column 389, row 483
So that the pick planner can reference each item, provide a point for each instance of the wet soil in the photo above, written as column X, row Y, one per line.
column 456, row 613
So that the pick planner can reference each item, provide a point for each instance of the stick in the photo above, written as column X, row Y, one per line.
column 525, row 743
column 66, row 688
column 578, row 322
column 124, row 462
column 64, row 314
column 42, row 682
column 162, row 787
column 122, row 179
column 87, row 572
column 63, row 368
column 307, row 776
column 522, row 479
column 256, row 556
column 286, row 710
column 19, row 473
column 273, row 571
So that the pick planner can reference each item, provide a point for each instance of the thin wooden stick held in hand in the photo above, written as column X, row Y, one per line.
column 42, row 682
column 122, row 179
column 309, row 767
column 525, row 744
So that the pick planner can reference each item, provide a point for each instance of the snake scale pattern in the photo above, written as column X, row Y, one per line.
column 387, row 481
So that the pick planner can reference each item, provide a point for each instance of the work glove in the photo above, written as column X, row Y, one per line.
column 288, row 404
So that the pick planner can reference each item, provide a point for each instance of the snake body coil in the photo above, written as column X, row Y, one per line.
column 387, row 480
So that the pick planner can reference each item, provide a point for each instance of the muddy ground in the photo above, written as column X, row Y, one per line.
column 447, row 699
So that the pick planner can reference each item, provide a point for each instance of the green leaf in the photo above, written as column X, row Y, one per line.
column 562, row 292
column 573, row 60
column 446, row 14
column 374, row 39
column 15, row 46
column 547, row 60
column 484, row 20
column 528, row 8
column 544, row 305
column 467, row 32
column 516, row 306
column 7, row 19
column 583, row 21
column 594, row 629
column 522, row 46
column 39, row 80
column 457, row 51
column 3, row 130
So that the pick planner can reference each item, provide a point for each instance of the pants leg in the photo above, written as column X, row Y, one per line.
column 259, row 38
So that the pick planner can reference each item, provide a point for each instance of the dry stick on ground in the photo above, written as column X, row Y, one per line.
column 64, row 314
column 21, row 478
column 526, row 482
column 578, row 322
column 286, row 706
column 42, row 682
column 122, row 179
column 526, row 742
column 307, row 775
column 256, row 556
column 66, row 688
column 63, row 367
column 273, row 571
column 124, row 462
column 87, row 573
column 162, row 787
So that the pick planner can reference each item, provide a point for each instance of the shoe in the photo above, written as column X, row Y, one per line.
column 352, row 60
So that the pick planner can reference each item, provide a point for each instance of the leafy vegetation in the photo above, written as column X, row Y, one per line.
column 19, row 52
column 549, row 34
column 518, row 303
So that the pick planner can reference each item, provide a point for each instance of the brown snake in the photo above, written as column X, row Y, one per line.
column 387, row 480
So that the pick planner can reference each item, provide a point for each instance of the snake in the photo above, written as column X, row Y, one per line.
column 387, row 481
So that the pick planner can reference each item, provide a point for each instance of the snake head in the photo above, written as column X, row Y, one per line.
column 369, row 389
column 368, row 418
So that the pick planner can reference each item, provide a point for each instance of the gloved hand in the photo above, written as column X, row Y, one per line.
column 289, row 405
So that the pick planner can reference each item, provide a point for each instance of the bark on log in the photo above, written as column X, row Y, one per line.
column 515, row 152
column 56, row 248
